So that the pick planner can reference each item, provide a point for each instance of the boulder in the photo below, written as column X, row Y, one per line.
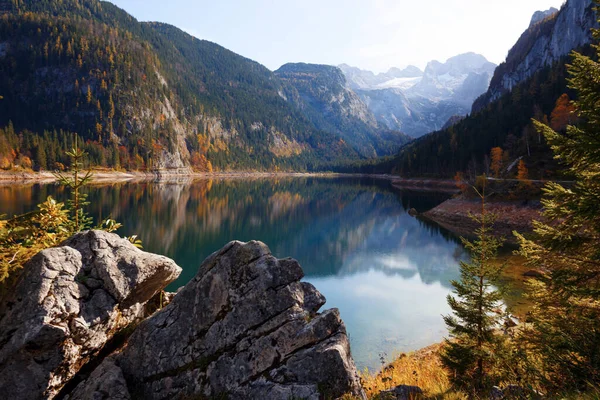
column 245, row 327
column 402, row 392
column 68, row 303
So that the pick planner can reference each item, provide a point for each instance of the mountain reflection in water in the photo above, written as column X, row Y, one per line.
column 387, row 272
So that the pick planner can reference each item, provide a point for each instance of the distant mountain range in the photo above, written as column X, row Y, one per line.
column 527, row 85
column 418, row 102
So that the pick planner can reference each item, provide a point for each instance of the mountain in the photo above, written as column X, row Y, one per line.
column 418, row 102
column 539, row 16
column 333, row 107
column 551, row 36
column 458, row 77
column 527, row 85
column 148, row 96
column 360, row 79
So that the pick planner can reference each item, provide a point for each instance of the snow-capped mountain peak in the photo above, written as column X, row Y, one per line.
column 418, row 102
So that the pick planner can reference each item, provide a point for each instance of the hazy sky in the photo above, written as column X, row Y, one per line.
column 370, row 34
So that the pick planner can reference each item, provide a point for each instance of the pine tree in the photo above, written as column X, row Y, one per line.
column 469, row 354
column 566, row 317
column 75, row 183
column 40, row 156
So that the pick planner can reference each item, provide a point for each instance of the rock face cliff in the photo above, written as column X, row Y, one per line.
column 244, row 327
column 551, row 36
column 539, row 16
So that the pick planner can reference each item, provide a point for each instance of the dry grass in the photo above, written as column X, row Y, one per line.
column 422, row 368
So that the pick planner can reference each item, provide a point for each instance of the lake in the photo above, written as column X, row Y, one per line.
column 387, row 272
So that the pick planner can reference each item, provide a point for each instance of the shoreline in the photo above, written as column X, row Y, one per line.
column 455, row 216
column 105, row 176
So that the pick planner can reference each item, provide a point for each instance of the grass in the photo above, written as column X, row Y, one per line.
column 422, row 368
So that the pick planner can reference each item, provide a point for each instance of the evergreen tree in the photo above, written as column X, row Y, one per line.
column 470, row 353
column 75, row 183
column 40, row 156
column 565, row 332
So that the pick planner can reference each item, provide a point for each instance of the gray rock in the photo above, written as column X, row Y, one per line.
column 244, row 328
column 67, row 304
column 106, row 382
column 541, row 15
column 544, row 43
column 402, row 392
column 496, row 393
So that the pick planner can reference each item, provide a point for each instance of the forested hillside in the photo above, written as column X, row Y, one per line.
column 144, row 96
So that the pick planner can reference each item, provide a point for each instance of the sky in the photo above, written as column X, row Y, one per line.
column 370, row 34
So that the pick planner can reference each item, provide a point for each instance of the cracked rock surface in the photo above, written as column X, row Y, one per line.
column 244, row 328
column 68, row 304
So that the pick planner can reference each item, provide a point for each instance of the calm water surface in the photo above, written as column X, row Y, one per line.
column 387, row 272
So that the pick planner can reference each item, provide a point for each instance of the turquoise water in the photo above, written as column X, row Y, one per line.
column 386, row 271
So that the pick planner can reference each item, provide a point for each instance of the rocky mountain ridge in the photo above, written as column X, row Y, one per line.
column 539, row 16
column 550, row 37
column 418, row 102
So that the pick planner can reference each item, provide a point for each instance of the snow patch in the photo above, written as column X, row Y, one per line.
column 400, row 83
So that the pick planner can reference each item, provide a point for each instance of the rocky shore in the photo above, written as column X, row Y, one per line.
column 454, row 215
column 85, row 321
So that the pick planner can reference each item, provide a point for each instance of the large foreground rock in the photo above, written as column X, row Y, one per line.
column 68, row 303
column 244, row 328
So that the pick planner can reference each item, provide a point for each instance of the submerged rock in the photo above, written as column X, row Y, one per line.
column 68, row 304
column 244, row 328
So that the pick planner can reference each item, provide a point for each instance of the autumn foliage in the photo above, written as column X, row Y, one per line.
column 563, row 114
column 497, row 155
